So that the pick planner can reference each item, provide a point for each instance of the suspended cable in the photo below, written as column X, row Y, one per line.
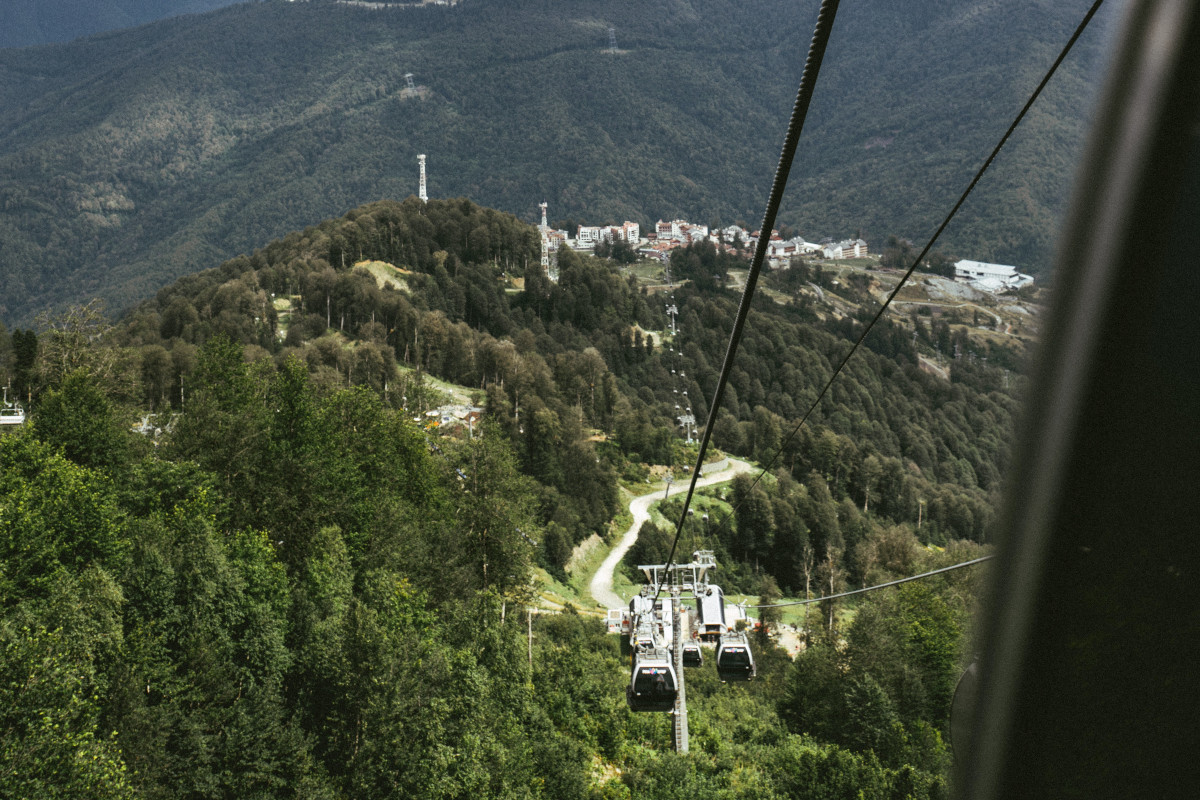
column 808, row 81
column 873, row 588
column 920, row 258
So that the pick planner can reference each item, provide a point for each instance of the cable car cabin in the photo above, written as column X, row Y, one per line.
column 12, row 416
column 735, row 662
column 652, row 685
column 693, row 656
column 710, row 612
column 641, row 643
column 642, row 608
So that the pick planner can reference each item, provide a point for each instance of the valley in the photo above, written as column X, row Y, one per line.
column 322, row 486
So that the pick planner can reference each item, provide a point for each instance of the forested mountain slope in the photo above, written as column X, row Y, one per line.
column 557, row 364
column 135, row 157
column 295, row 590
column 31, row 22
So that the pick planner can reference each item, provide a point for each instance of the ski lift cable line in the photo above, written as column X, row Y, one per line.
column 808, row 81
column 921, row 257
column 896, row 582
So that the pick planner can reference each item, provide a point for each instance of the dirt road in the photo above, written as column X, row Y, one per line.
column 602, row 582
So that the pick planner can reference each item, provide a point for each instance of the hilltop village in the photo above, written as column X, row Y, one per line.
column 667, row 236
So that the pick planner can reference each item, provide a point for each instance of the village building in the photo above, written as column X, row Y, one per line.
column 630, row 232
column 555, row 239
column 680, row 231
column 588, row 236
column 848, row 248
column 993, row 278
column 734, row 234
column 778, row 248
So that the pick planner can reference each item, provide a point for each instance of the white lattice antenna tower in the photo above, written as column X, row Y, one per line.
column 408, row 80
column 612, row 40
column 421, row 192
column 544, row 235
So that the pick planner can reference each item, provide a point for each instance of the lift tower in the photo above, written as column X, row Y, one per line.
column 421, row 192
column 680, row 727
column 689, row 577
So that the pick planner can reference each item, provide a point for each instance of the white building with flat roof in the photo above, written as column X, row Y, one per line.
column 990, row 277
column 588, row 235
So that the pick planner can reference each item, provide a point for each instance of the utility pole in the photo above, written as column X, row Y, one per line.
column 681, row 726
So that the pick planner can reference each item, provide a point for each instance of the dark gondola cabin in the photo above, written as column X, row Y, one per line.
column 652, row 687
column 735, row 662
column 693, row 656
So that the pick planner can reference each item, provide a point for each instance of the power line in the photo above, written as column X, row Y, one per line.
column 873, row 588
column 808, row 81
column 920, row 257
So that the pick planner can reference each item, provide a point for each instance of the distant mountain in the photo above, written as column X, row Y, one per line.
column 31, row 22
column 132, row 158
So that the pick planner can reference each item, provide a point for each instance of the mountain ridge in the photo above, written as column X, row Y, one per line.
column 29, row 23
column 192, row 139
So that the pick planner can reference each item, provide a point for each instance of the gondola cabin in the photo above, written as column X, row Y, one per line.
column 710, row 612
column 642, row 642
column 693, row 656
column 12, row 416
column 735, row 661
column 652, row 685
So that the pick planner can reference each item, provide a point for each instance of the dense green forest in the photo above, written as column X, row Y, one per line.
column 559, row 364
column 136, row 157
column 292, row 589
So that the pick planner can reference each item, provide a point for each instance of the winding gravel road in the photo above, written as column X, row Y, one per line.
column 602, row 582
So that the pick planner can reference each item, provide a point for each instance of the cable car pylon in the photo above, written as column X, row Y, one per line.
column 680, row 728
column 661, row 648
